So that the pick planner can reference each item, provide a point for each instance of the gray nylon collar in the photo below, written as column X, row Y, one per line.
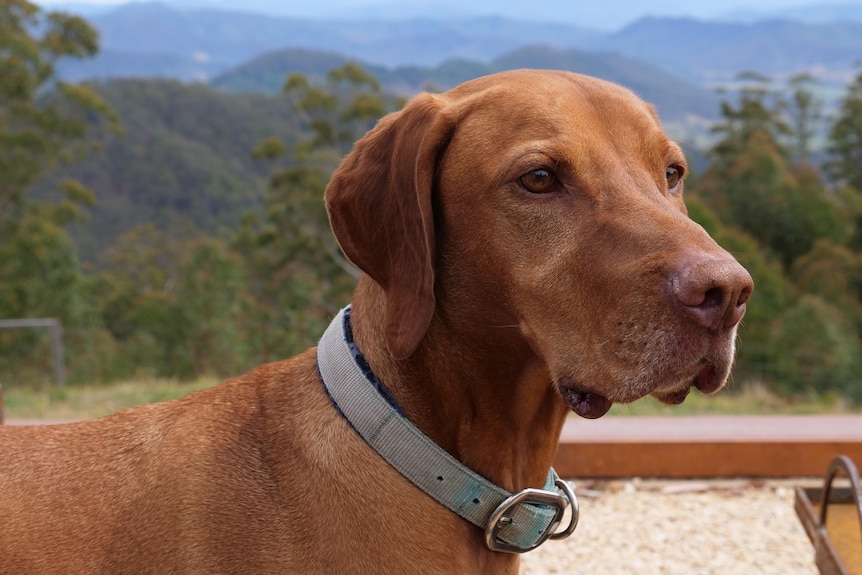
column 512, row 523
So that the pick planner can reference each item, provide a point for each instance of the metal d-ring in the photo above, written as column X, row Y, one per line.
column 576, row 510
column 502, row 516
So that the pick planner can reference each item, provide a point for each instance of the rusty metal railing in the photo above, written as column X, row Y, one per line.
column 844, row 558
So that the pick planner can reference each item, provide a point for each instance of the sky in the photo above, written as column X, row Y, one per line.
column 607, row 14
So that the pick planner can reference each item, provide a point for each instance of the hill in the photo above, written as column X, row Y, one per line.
column 152, row 39
column 184, row 153
column 716, row 51
column 674, row 99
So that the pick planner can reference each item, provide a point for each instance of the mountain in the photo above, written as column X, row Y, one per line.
column 185, row 152
column 154, row 39
column 674, row 99
column 706, row 52
column 809, row 14
column 266, row 73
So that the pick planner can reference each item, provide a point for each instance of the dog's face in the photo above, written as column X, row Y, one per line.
column 551, row 208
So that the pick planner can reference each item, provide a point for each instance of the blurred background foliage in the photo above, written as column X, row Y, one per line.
column 227, row 262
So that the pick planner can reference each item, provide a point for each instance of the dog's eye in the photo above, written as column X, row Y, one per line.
column 538, row 181
column 674, row 177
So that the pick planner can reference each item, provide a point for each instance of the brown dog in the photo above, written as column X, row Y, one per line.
column 526, row 252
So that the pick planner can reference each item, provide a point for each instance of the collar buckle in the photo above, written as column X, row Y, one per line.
column 506, row 512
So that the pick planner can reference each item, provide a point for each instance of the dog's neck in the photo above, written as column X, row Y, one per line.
column 500, row 417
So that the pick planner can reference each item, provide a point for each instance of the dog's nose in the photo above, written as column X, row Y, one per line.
column 712, row 292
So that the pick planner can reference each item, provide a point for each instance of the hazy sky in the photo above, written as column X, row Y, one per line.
column 606, row 14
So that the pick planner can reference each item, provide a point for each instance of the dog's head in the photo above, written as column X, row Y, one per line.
column 552, row 203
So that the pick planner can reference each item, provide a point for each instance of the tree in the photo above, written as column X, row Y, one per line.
column 210, row 298
column 834, row 274
column 816, row 350
column 335, row 116
column 299, row 275
column 752, row 183
column 39, row 267
column 805, row 113
column 758, row 114
column 43, row 121
column 844, row 164
column 173, row 304
column 845, row 147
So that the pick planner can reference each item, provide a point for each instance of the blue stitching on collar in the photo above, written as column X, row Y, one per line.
column 363, row 365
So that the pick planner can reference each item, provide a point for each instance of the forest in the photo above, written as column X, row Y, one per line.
column 226, row 261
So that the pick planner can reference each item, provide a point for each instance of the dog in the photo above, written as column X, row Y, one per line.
column 526, row 254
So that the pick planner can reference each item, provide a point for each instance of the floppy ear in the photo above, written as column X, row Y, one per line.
column 379, row 206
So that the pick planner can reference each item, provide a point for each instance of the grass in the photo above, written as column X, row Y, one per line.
column 88, row 401
column 752, row 399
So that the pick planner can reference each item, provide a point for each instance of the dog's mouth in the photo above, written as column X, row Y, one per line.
column 590, row 404
column 585, row 402
column 706, row 381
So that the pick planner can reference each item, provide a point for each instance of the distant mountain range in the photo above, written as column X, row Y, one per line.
column 195, row 44
column 154, row 39
column 674, row 99
column 708, row 52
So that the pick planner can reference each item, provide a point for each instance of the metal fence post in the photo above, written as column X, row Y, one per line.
column 59, row 353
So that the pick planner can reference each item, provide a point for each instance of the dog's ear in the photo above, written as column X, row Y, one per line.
column 380, row 209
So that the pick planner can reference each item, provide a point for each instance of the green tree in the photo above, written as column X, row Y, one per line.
column 845, row 139
column 41, row 278
column 210, row 298
column 43, row 123
column 757, row 114
column 786, row 208
column 335, row 115
column 851, row 199
column 844, row 164
column 834, row 274
column 173, row 304
column 753, row 184
column 299, row 275
column 134, row 289
column 805, row 114
column 817, row 351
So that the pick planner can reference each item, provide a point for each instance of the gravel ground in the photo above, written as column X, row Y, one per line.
column 681, row 527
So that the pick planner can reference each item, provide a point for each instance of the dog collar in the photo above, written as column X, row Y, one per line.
column 513, row 523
